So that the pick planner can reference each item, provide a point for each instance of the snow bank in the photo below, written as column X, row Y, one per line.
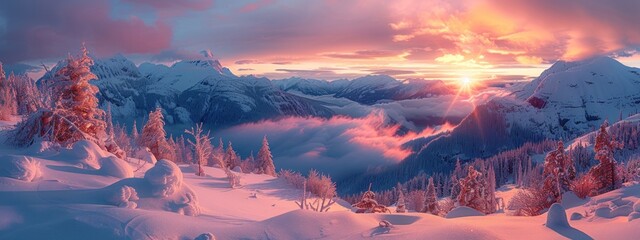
column 20, row 167
column 557, row 217
column 463, row 211
column 165, row 178
column 113, row 166
column 162, row 188
column 85, row 153
column 90, row 156
column 145, row 155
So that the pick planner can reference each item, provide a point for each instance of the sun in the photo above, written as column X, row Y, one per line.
column 465, row 84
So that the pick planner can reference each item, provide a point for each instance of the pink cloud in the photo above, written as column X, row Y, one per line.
column 60, row 27
column 250, row 7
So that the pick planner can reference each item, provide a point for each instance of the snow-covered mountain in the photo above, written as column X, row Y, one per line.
column 312, row 87
column 564, row 102
column 367, row 90
column 199, row 90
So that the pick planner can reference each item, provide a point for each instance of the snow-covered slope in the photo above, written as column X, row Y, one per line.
column 70, row 201
column 578, row 96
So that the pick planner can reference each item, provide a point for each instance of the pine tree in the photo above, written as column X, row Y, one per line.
column 201, row 146
column 134, row 134
column 455, row 187
column 123, row 140
column 110, row 140
column 265, row 159
column 400, row 204
column 7, row 97
column 76, row 113
column 605, row 171
column 154, row 137
column 218, row 155
column 231, row 158
column 472, row 189
column 491, row 190
column 555, row 174
column 431, row 199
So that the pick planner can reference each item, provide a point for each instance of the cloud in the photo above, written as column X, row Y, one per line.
column 59, row 27
column 245, row 69
column 338, row 146
column 168, row 8
column 250, row 7
column 247, row 61
column 585, row 27
column 365, row 54
column 281, row 63
column 391, row 72
column 307, row 73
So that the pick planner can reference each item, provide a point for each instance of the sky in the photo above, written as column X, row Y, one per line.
column 330, row 39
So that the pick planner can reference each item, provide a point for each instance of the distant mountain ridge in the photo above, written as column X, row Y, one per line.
column 368, row 90
column 564, row 102
column 192, row 91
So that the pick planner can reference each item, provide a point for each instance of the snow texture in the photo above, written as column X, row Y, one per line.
column 20, row 167
column 165, row 178
column 463, row 211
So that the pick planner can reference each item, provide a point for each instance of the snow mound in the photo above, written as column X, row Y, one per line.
column 165, row 178
column 463, row 211
column 557, row 217
column 145, row 155
column 125, row 197
column 89, row 155
column 605, row 211
column 633, row 216
column 84, row 152
column 20, row 167
column 636, row 206
column 162, row 188
column 576, row 216
column 113, row 166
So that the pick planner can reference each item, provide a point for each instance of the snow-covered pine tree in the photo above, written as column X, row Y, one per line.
column 400, row 204
column 123, row 140
column 455, row 187
column 201, row 146
column 472, row 189
column 110, row 139
column 76, row 114
column 134, row 134
column 431, row 199
column 554, row 174
column 490, row 195
column 605, row 171
column 30, row 99
column 7, row 97
column 458, row 171
column 265, row 159
column 231, row 158
column 154, row 137
column 218, row 155
column 249, row 164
